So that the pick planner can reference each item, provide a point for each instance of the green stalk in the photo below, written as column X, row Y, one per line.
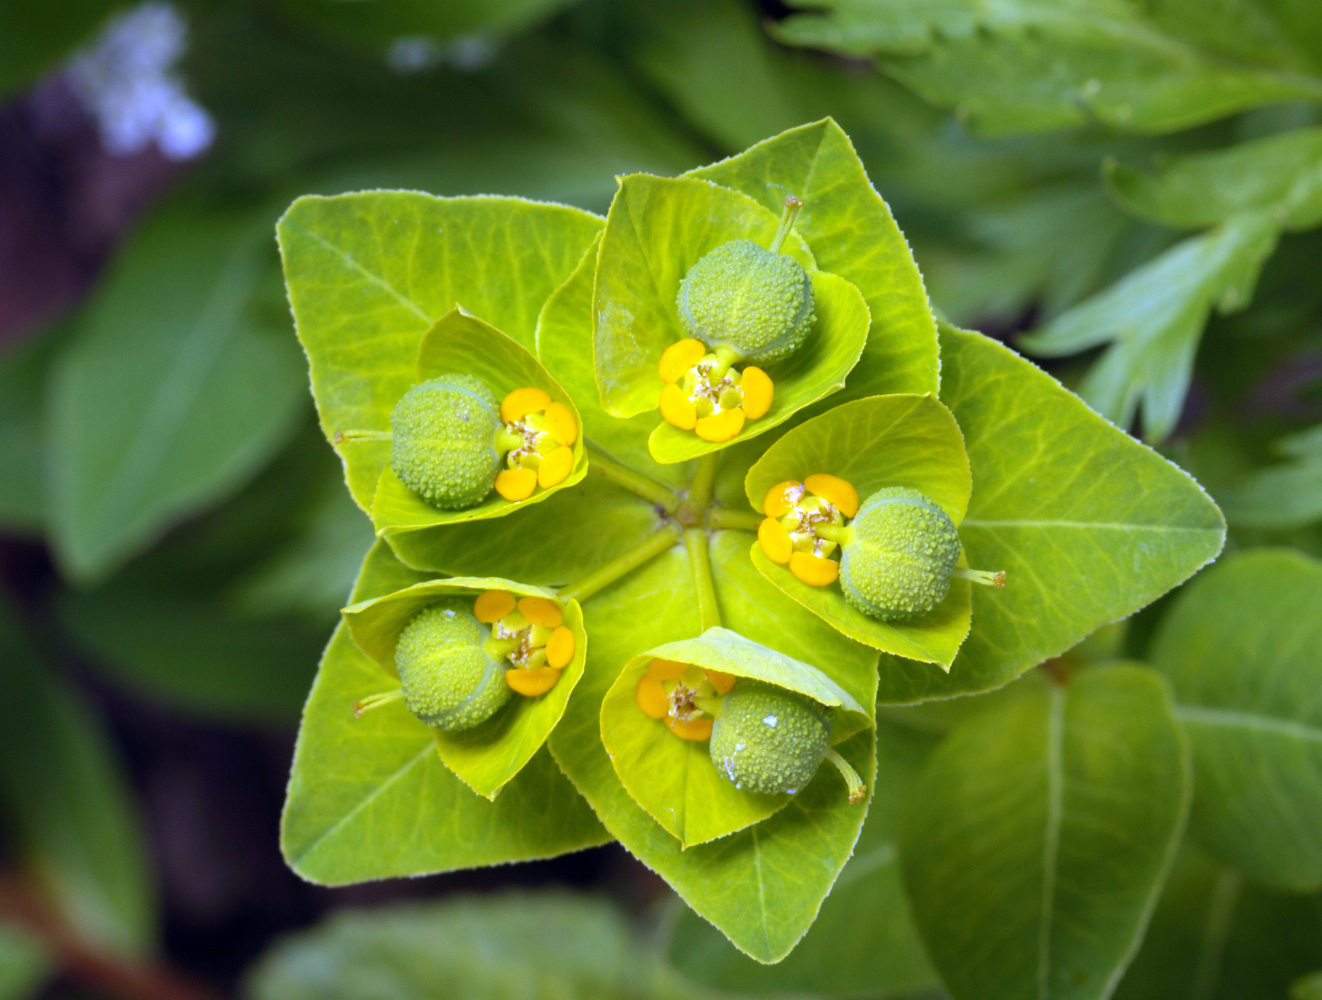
column 582, row 589
column 703, row 480
column 613, row 472
column 709, row 611
column 739, row 520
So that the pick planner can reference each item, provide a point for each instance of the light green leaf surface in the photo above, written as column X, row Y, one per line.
column 761, row 887
column 564, row 345
column 850, row 231
column 1038, row 836
column 546, row 945
column 174, row 388
column 1152, row 319
column 1037, row 65
column 23, row 371
column 675, row 780
column 814, row 371
column 1280, row 175
column 463, row 344
column 1066, row 504
column 368, row 274
column 1215, row 937
column 370, row 797
column 658, row 228
column 68, row 808
column 864, row 942
column 24, row 963
column 878, row 441
column 490, row 755
column 1243, row 650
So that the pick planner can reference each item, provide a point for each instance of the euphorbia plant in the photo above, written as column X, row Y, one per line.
column 742, row 478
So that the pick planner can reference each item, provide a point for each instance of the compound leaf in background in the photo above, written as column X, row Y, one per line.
column 842, row 955
column 1243, row 650
column 1280, row 175
column 370, row 797
column 851, row 233
column 1288, row 495
column 67, row 803
column 1214, row 936
column 1064, row 503
column 23, row 371
column 24, row 963
column 174, row 388
column 1153, row 318
column 368, row 274
column 1027, row 66
column 1039, row 833
column 544, row 945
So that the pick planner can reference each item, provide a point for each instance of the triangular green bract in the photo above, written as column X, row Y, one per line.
column 490, row 755
column 814, row 371
column 462, row 344
column 369, row 273
column 850, row 231
column 1088, row 524
column 674, row 779
column 370, row 798
column 753, row 885
column 872, row 443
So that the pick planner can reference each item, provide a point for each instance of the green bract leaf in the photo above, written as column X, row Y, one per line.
column 363, row 299
column 754, row 884
column 1153, row 318
column 674, row 779
column 1039, row 834
column 462, row 344
column 850, row 232
column 873, row 443
column 490, row 755
column 1243, row 650
column 1063, row 502
column 370, row 797
column 1280, row 175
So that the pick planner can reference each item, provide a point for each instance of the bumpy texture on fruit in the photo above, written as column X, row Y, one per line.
column 768, row 739
column 898, row 562
column 444, row 445
column 450, row 680
column 744, row 297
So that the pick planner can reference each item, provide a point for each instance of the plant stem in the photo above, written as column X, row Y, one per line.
column 857, row 790
column 582, row 589
column 704, row 479
column 739, row 520
column 613, row 472
column 709, row 611
column 341, row 436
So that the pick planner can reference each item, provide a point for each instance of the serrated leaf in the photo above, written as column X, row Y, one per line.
column 362, row 302
column 1280, row 176
column 490, row 755
column 1039, row 834
column 1063, row 502
column 370, row 797
column 1153, row 318
column 675, row 780
column 761, row 887
column 863, row 942
column 460, row 343
column 1243, row 650
column 850, row 231
column 873, row 443
column 172, row 390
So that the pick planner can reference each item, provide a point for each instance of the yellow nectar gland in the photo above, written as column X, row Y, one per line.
column 704, row 394
column 537, row 440
column 804, row 525
column 686, row 697
column 531, row 634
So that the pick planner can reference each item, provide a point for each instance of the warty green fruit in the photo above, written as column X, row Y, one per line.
column 444, row 446
column 901, row 552
column 450, row 678
column 748, row 300
column 767, row 739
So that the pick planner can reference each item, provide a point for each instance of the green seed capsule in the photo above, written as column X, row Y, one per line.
column 444, row 446
column 768, row 739
column 750, row 301
column 450, row 677
column 900, row 556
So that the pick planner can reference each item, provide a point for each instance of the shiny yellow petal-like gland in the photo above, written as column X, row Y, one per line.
column 777, row 502
column 651, row 697
column 841, row 493
column 679, row 357
column 519, row 403
column 676, row 408
column 696, row 730
column 555, row 467
column 531, row 683
column 721, row 681
column 560, row 423
column 758, row 392
column 516, row 484
column 814, row 570
column 560, row 648
column 720, row 426
column 492, row 605
column 541, row 611
column 666, row 670
column 774, row 541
